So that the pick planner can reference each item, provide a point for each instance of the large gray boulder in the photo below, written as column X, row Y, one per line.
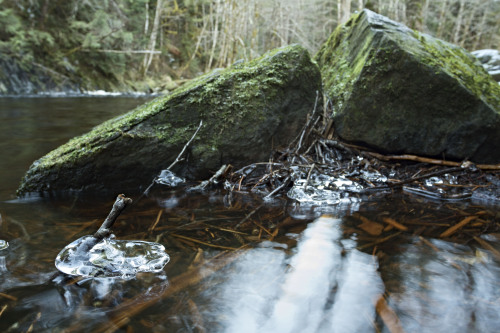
column 401, row 91
column 247, row 110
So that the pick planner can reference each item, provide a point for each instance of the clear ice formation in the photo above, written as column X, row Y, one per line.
column 323, row 190
column 3, row 244
column 168, row 178
column 111, row 258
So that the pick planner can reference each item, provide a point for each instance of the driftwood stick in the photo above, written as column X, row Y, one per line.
column 120, row 203
column 450, row 231
column 309, row 176
column 300, row 137
column 429, row 160
column 214, row 179
column 277, row 189
column 248, row 216
column 306, row 127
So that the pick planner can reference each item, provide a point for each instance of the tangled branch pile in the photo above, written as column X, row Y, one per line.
column 316, row 161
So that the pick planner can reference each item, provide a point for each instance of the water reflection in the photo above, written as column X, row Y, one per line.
column 309, row 277
column 58, row 304
column 309, row 281
column 444, row 288
column 315, row 289
column 31, row 127
column 359, row 287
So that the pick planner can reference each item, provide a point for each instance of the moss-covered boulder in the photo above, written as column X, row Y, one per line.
column 247, row 110
column 401, row 91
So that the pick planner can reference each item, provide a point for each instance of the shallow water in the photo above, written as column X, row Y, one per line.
column 297, row 268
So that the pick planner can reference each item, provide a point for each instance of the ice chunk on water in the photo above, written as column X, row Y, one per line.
column 322, row 190
column 111, row 257
column 168, row 178
column 3, row 244
column 373, row 176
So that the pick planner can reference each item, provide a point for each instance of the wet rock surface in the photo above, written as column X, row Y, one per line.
column 400, row 91
column 247, row 110
column 14, row 80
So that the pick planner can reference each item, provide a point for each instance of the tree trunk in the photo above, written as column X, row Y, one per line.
column 344, row 10
column 146, row 21
column 215, row 32
column 442, row 19
column 360, row 5
column 423, row 15
column 480, row 30
column 458, row 24
column 469, row 22
column 154, row 34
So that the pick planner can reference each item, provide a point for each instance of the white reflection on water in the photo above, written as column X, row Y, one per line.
column 449, row 289
column 359, row 288
column 316, row 290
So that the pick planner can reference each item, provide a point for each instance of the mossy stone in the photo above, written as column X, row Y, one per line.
column 400, row 91
column 247, row 110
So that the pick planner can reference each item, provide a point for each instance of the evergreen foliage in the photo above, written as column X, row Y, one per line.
column 106, row 44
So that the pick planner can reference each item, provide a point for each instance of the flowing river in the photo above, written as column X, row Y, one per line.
column 237, row 263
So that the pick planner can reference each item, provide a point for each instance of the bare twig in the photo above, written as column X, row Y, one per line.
column 120, row 203
column 190, row 239
column 214, row 179
column 430, row 160
column 306, row 126
column 285, row 183
column 178, row 158
column 309, row 176
column 248, row 216
column 450, row 231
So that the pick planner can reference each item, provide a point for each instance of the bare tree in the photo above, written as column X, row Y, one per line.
column 344, row 10
column 154, row 35
column 458, row 22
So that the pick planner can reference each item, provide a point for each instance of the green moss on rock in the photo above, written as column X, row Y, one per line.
column 401, row 91
column 245, row 109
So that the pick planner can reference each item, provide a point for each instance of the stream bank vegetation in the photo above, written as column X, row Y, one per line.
column 157, row 44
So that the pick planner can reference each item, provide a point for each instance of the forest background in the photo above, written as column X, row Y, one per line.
column 153, row 45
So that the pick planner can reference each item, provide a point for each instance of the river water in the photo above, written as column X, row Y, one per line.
column 237, row 263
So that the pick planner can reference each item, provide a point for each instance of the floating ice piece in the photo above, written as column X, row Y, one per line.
column 323, row 190
column 167, row 177
column 313, row 195
column 111, row 257
column 373, row 176
column 3, row 244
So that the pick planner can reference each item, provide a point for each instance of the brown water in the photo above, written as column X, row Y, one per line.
column 348, row 271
